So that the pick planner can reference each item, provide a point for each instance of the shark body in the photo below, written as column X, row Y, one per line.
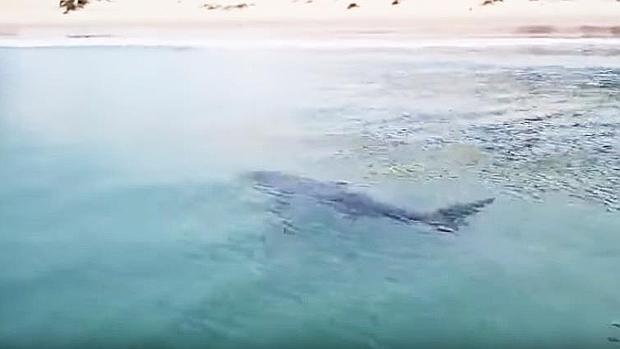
column 339, row 197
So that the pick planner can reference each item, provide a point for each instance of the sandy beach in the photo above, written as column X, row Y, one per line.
column 186, row 18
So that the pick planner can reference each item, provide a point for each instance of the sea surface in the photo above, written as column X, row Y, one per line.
column 127, row 219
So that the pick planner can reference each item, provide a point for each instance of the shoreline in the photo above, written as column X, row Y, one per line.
column 358, row 43
column 260, row 33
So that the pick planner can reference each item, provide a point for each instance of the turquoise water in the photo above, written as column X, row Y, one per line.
column 127, row 221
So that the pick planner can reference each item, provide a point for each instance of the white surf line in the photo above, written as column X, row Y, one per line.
column 404, row 42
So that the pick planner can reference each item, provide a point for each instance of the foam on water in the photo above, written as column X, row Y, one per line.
column 336, row 42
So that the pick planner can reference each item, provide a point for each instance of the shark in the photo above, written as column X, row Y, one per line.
column 339, row 196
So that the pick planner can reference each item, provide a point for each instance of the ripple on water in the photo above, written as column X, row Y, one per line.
column 552, row 129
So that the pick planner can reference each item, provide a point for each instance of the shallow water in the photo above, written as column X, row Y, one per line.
column 127, row 221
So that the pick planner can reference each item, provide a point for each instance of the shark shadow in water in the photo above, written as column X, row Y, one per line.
column 338, row 196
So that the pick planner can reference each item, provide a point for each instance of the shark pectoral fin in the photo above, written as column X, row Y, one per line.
column 288, row 227
column 451, row 218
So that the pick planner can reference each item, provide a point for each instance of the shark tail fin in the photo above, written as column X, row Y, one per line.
column 451, row 218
